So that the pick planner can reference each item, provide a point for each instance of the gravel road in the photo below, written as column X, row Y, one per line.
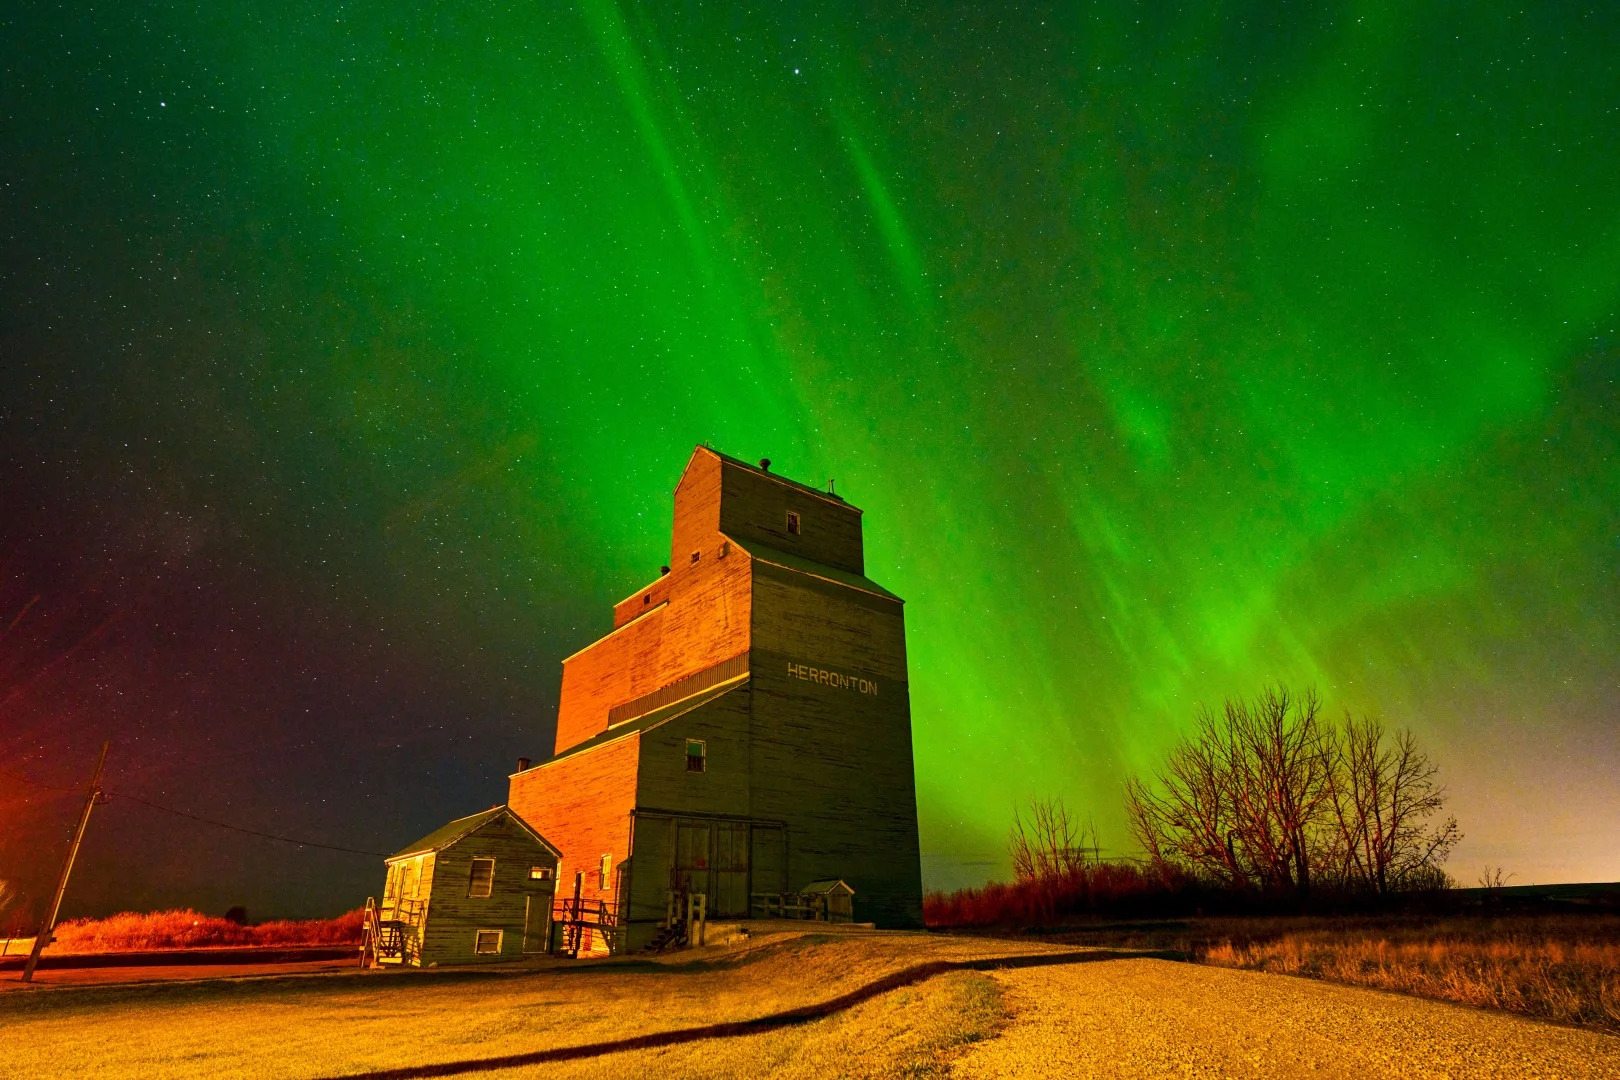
column 1154, row 1018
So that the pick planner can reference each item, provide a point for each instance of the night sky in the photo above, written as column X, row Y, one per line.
column 349, row 356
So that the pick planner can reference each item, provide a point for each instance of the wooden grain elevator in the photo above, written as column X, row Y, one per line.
column 745, row 728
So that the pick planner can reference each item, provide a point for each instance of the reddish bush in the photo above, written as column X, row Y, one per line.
column 1089, row 889
column 185, row 929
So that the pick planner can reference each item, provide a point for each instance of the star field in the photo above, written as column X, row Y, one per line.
column 350, row 355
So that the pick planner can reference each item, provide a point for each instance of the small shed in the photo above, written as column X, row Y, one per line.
column 479, row 889
column 834, row 897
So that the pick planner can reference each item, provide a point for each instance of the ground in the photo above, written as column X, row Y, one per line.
column 902, row 1005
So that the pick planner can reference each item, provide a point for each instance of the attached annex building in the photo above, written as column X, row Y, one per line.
column 489, row 880
column 745, row 729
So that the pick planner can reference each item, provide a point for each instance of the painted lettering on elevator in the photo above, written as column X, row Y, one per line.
column 835, row 679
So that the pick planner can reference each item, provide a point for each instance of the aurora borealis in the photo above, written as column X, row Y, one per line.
column 350, row 356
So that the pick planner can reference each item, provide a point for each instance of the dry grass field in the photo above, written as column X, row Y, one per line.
column 348, row 1023
column 1563, row 967
column 1557, row 968
column 1048, row 1011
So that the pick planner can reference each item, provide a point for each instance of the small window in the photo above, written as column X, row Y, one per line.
column 539, row 873
column 604, row 871
column 482, row 880
column 697, row 756
column 696, row 555
column 487, row 942
column 793, row 523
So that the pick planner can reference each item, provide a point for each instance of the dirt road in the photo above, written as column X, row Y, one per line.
column 147, row 973
column 1154, row 1018
column 896, row 1005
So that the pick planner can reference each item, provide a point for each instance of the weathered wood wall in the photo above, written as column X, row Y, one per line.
column 829, row 756
column 453, row 918
column 581, row 804
column 723, row 787
column 705, row 619
column 755, row 506
column 666, row 790
column 831, row 761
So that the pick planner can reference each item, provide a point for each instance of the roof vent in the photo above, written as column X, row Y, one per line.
column 523, row 764
column 663, row 570
column 764, row 464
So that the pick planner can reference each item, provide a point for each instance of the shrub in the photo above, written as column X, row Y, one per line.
column 1087, row 890
column 187, row 929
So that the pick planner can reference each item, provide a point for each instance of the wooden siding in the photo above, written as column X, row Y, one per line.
column 832, row 762
column 453, row 918
column 755, row 506
column 697, row 508
column 641, row 602
column 817, row 745
column 582, row 806
column 681, row 689
column 722, row 788
column 705, row 621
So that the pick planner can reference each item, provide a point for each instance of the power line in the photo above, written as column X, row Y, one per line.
column 194, row 817
column 249, row 832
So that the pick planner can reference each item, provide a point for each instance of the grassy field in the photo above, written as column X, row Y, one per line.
column 346, row 1023
column 1563, row 967
column 1027, row 1009
column 1549, row 967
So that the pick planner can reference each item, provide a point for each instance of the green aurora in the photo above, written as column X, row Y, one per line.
column 1167, row 353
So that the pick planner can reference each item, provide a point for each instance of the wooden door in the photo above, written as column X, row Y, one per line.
column 690, row 872
column 730, row 870
column 537, row 921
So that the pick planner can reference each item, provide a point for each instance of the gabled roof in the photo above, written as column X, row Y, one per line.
column 459, row 829
column 780, row 479
column 830, row 886
column 788, row 561
column 650, row 719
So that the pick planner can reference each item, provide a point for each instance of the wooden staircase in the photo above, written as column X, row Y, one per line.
column 685, row 918
column 584, row 921
column 668, row 937
column 382, row 940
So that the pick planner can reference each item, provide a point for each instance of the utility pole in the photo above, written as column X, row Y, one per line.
column 91, row 797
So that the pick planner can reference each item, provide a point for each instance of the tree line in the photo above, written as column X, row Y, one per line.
column 1269, row 796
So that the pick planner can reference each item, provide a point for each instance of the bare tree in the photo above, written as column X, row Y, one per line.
column 1191, row 822
column 1048, row 844
column 1266, row 795
column 1241, row 800
column 1278, row 763
column 1384, row 792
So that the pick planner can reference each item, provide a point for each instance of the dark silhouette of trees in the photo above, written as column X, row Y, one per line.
column 1268, row 796
column 1046, row 843
column 1383, row 792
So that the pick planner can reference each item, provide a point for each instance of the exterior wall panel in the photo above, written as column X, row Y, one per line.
column 830, row 759
column 705, row 620
column 755, row 507
column 452, row 917
column 582, row 805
